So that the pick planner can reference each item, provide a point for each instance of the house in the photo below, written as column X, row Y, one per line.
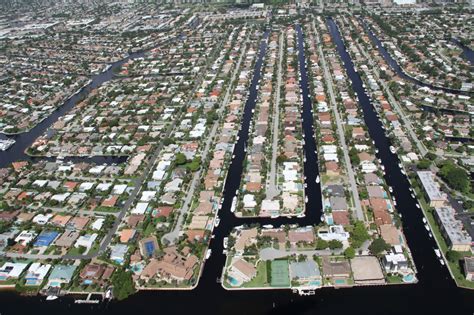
column 36, row 273
column 11, row 270
column 126, row 235
column 61, row 274
column 242, row 270
column 469, row 268
column 304, row 235
column 25, row 237
column 306, row 273
column 172, row 266
column 67, row 239
column 395, row 261
column 434, row 195
column 336, row 269
column 86, row 240
column 118, row 252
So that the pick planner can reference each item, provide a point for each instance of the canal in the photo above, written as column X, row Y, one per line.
column 400, row 71
column 434, row 294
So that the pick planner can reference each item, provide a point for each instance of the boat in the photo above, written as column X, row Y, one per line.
column 208, row 253
column 323, row 218
column 305, row 185
column 217, row 221
column 225, row 242
column 413, row 196
column 6, row 144
column 431, row 235
column 268, row 226
column 108, row 294
column 390, row 189
column 437, row 252
column 306, row 199
column 427, row 227
column 234, row 204
column 392, row 149
column 51, row 297
column 317, row 179
column 441, row 261
column 418, row 206
column 424, row 220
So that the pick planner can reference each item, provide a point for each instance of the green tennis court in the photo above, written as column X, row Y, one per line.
column 280, row 274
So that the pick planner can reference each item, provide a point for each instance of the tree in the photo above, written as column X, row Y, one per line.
column 321, row 244
column 453, row 256
column 180, row 159
column 335, row 244
column 378, row 246
column 123, row 284
column 455, row 176
column 349, row 253
column 423, row 164
column 359, row 234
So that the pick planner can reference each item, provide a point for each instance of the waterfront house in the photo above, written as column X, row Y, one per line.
column 61, row 274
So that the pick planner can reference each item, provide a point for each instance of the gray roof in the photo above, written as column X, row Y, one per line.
column 430, row 186
column 305, row 269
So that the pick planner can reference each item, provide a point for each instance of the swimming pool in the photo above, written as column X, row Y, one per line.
column 340, row 281
column 233, row 281
column 408, row 278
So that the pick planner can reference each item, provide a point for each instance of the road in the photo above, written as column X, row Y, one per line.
column 173, row 235
column 408, row 126
column 138, row 184
column 359, row 213
column 272, row 186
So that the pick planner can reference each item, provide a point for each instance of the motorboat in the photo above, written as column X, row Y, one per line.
column 424, row 220
column 217, row 221
column 418, row 206
column 413, row 196
column 306, row 199
column 441, row 261
column 268, row 226
column 437, row 252
column 208, row 253
column 392, row 149
column 225, row 242
column 51, row 297
column 427, row 227
column 234, row 204
column 390, row 189
column 317, row 179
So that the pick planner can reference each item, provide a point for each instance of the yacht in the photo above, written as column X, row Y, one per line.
column 441, row 261
column 268, row 226
column 217, row 221
column 390, row 189
column 6, row 144
column 317, row 179
column 437, row 252
column 306, row 199
column 427, row 227
column 424, row 220
column 431, row 235
column 392, row 149
column 208, row 253
column 413, row 196
column 51, row 297
column 234, row 204
column 418, row 206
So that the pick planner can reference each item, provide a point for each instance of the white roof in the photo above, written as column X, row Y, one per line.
column 140, row 208
column 98, row 224
column 119, row 189
column 38, row 270
column 12, row 270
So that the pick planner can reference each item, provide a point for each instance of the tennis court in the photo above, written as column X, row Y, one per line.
column 280, row 274
column 46, row 238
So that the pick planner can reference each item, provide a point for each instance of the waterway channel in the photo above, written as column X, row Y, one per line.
column 436, row 292
column 398, row 69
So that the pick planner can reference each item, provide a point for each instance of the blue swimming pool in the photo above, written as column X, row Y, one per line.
column 408, row 278
column 233, row 281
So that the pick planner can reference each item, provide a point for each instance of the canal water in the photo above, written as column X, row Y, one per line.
column 24, row 140
column 396, row 67
column 435, row 294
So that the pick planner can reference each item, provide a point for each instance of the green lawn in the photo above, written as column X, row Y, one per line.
column 260, row 279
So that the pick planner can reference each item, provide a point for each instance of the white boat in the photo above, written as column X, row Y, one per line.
column 268, row 226
column 305, row 185
column 392, row 149
column 427, row 227
column 306, row 199
column 233, row 156
column 424, row 220
column 418, row 206
column 208, row 253
column 226, row 242
column 390, row 189
column 431, row 235
column 403, row 171
column 413, row 196
column 382, row 167
column 108, row 294
column 437, row 252
column 234, row 204
column 6, row 144
column 323, row 218
column 441, row 261
column 51, row 297
column 216, row 223
column 317, row 179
